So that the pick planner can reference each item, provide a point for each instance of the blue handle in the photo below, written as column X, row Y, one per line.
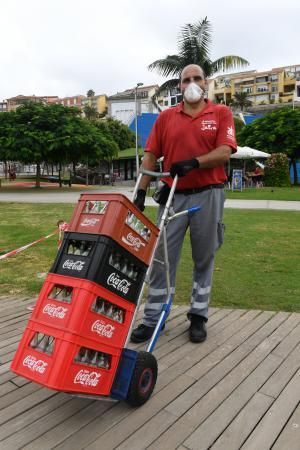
column 194, row 209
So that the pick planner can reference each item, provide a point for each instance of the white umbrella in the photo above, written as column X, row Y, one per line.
column 249, row 153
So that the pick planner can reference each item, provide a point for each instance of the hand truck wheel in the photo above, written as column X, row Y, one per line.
column 143, row 379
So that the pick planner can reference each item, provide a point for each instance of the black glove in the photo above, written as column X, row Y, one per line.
column 181, row 168
column 139, row 200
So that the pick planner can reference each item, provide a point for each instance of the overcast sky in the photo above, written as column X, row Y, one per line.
column 65, row 47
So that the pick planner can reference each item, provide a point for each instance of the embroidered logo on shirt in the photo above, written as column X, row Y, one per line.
column 230, row 132
column 209, row 125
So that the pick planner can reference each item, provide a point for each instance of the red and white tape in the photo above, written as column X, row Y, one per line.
column 18, row 250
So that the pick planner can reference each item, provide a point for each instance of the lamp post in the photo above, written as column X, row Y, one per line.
column 136, row 129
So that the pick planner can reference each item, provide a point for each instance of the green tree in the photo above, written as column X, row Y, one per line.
column 277, row 171
column 117, row 131
column 241, row 100
column 238, row 124
column 194, row 47
column 277, row 132
column 37, row 133
column 90, row 112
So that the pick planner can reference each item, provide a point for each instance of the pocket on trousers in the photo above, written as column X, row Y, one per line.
column 220, row 234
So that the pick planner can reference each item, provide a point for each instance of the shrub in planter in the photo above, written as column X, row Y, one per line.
column 277, row 171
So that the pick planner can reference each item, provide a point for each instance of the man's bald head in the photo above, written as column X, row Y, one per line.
column 194, row 68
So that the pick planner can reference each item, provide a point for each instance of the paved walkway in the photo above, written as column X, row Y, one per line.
column 238, row 390
column 72, row 197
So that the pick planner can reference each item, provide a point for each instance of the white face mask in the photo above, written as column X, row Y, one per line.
column 193, row 93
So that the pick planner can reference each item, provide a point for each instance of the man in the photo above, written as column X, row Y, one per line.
column 196, row 138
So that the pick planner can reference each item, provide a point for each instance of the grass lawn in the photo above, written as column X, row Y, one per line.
column 257, row 267
column 266, row 193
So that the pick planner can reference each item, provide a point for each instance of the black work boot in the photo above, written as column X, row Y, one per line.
column 142, row 333
column 197, row 330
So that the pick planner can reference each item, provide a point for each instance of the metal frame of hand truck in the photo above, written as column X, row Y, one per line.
column 125, row 374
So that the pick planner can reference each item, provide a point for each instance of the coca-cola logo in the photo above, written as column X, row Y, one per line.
column 117, row 283
column 87, row 378
column 103, row 329
column 133, row 241
column 69, row 264
column 55, row 311
column 89, row 222
column 36, row 365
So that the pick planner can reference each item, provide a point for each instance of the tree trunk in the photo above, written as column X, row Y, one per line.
column 294, row 163
column 5, row 169
column 38, row 175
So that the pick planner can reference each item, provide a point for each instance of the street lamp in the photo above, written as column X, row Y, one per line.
column 136, row 129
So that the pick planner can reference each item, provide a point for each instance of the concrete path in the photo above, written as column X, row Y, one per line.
column 72, row 197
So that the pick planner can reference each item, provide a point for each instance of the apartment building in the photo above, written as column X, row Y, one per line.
column 278, row 85
column 98, row 102
column 14, row 102
column 75, row 101
column 3, row 106
column 121, row 106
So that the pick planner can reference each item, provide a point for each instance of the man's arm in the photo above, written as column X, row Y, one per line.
column 217, row 157
column 149, row 163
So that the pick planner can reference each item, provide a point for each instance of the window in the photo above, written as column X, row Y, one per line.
column 261, row 79
column 261, row 89
column 174, row 91
column 274, row 88
column 173, row 101
column 166, row 103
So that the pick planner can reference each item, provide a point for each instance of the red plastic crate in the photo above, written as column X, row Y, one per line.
column 59, row 370
column 114, row 215
column 77, row 316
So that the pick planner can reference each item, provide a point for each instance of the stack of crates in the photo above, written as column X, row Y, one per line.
column 75, row 336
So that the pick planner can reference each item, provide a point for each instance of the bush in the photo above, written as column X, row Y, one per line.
column 277, row 171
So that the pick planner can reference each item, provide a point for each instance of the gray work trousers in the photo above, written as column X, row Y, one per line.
column 206, row 236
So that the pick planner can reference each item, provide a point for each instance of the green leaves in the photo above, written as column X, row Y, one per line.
column 277, row 132
column 194, row 47
column 38, row 133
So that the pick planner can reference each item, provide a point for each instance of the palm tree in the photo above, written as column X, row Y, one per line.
column 90, row 112
column 241, row 100
column 194, row 44
column 90, row 93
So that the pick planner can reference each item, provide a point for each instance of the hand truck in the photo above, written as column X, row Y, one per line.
column 77, row 337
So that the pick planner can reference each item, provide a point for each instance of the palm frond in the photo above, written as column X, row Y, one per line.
column 194, row 47
column 167, row 66
column 229, row 62
column 194, row 42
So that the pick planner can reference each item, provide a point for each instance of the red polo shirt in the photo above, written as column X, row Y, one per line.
column 178, row 136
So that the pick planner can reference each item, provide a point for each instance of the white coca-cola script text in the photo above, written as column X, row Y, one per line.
column 73, row 265
column 103, row 329
column 133, row 241
column 89, row 222
column 120, row 285
column 36, row 365
column 55, row 311
column 87, row 378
